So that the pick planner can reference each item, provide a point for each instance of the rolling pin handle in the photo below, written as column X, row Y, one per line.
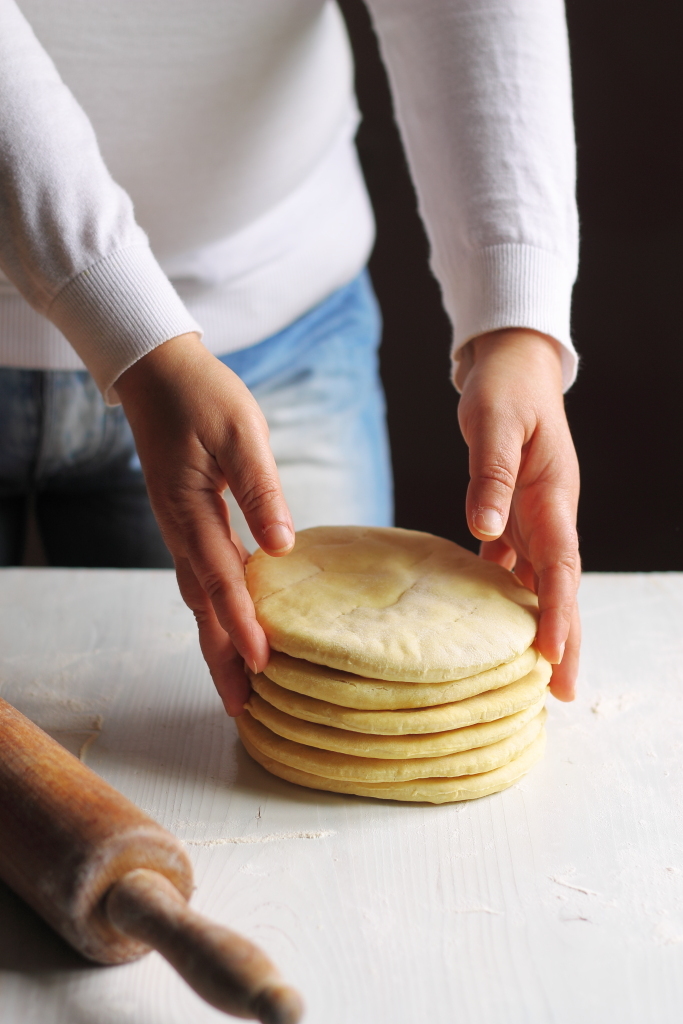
column 224, row 968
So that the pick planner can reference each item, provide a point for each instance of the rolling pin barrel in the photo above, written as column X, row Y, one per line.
column 66, row 836
column 112, row 881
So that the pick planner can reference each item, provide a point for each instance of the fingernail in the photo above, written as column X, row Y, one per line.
column 489, row 521
column 278, row 537
column 562, row 647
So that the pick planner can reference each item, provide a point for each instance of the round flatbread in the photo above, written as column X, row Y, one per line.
column 333, row 765
column 351, row 691
column 434, row 791
column 391, row 604
column 434, row 744
column 485, row 707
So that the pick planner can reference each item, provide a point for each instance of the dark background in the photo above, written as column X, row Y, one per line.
column 626, row 409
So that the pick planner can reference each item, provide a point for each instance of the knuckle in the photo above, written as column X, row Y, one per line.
column 567, row 564
column 497, row 473
column 567, row 567
column 251, row 423
column 194, row 514
column 183, row 515
column 190, row 590
column 570, row 564
column 201, row 617
column 196, row 600
column 260, row 495
column 218, row 586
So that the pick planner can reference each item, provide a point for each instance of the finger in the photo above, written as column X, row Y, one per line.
column 557, row 587
column 252, row 476
column 547, row 513
column 524, row 571
column 495, row 453
column 216, row 564
column 563, row 682
column 237, row 541
column 220, row 654
column 498, row 551
column 564, row 673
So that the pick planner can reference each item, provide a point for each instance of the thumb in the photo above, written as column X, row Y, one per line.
column 495, row 455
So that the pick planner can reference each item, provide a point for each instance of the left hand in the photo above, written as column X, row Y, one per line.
column 524, row 481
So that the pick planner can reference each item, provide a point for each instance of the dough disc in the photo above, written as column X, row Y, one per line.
column 485, row 707
column 352, row 691
column 435, row 744
column 348, row 767
column 435, row 791
column 391, row 604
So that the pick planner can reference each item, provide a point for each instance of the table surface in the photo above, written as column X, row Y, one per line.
column 560, row 900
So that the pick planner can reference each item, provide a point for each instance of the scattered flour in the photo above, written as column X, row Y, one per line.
column 666, row 933
column 608, row 707
column 571, row 885
column 78, row 741
column 271, row 837
column 477, row 910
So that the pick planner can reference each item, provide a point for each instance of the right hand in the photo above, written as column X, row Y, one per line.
column 199, row 430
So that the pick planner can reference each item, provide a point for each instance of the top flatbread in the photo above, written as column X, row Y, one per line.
column 391, row 604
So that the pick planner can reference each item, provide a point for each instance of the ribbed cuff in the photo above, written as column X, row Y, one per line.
column 509, row 286
column 117, row 311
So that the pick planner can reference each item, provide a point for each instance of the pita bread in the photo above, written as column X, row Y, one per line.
column 332, row 765
column 353, row 691
column 391, row 604
column 435, row 791
column 434, row 744
column 485, row 707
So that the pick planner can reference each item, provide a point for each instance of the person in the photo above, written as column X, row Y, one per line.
column 162, row 167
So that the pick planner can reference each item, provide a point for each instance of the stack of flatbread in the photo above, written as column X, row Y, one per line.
column 402, row 667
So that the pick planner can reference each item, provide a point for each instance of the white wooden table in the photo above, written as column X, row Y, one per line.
column 558, row 901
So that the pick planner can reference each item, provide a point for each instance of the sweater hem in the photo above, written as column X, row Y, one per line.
column 117, row 311
column 509, row 285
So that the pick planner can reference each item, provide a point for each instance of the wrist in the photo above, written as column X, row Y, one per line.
column 514, row 349
column 515, row 337
column 163, row 362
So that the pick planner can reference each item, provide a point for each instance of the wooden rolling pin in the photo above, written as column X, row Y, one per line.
column 112, row 881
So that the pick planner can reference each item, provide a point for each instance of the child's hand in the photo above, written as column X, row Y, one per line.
column 524, row 487
column 198, row 430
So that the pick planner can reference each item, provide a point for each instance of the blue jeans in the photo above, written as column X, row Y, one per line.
column 317, row 382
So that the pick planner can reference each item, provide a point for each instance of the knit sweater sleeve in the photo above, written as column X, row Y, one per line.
column 68, row 237
column 482, row 95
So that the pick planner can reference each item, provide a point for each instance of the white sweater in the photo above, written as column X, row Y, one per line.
column 165, row 163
